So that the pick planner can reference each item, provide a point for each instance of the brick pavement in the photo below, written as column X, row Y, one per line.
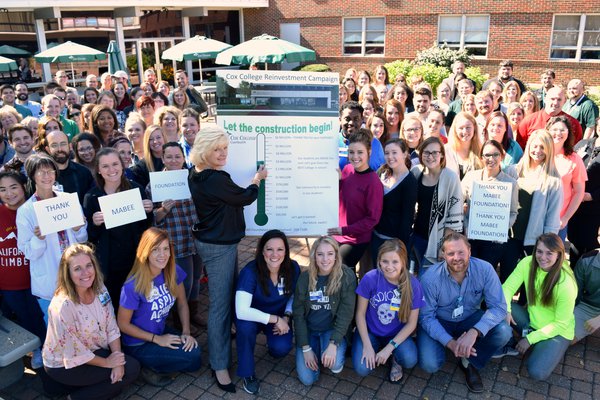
column 578, row 377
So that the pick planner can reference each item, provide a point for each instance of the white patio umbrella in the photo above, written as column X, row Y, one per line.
column 69, row 52
column 267, row 49
column 7, row 65
column 196, row 48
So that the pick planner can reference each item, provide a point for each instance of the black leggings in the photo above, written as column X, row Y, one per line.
column 93, row 383
column 352, row 253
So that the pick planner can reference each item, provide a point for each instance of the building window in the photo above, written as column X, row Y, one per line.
column 465, row 32
column 576, row 37
column 364, row 36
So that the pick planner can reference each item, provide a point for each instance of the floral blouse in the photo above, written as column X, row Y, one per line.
column 75, row 331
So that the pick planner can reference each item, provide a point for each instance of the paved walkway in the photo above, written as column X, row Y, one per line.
column 578, row 377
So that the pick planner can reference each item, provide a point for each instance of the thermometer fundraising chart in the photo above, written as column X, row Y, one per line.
column 287, row 121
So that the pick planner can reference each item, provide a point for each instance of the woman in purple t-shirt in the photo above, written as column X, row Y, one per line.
column 153, row 286
column 387, row 310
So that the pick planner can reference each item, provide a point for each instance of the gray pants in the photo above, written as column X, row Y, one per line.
column 220, row 263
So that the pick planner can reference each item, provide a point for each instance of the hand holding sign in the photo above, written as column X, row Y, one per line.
column 58, row 213
column 169, row 185
column 122, row 208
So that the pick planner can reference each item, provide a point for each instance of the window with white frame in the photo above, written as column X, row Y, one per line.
column 465, row 32
column 576, row 37
column 364, row 36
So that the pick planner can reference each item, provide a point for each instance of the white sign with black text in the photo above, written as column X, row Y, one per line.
column 489, row 211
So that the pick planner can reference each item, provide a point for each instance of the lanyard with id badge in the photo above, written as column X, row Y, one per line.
column 104, row 298
column 280, row 286
column 395, row 302
column 458, row 310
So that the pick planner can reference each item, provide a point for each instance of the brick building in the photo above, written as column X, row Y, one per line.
column 535, row 34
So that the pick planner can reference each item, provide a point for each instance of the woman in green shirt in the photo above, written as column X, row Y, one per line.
column 547, row 324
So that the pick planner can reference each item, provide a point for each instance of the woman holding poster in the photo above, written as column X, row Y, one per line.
column 43, row 251
column 220, row 208
column 492, row 154
column 115, row 247
column 177, row 217
column 540, row 200
column 361, row 201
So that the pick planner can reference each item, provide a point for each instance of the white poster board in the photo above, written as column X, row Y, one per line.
column 489, row 211
column 58, row 213
column 169, row 185
column 289, row 122
column 122, row 208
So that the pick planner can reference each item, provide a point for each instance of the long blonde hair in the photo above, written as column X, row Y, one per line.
column 334, row 281
column 404, row 285
column 474, row 147
column 548, row 166
column 146, row 145
column 64, row 282
column 141, row 273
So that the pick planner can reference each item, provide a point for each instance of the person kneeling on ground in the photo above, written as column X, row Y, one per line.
column 323, row 309
column 153, row 286
column 452, row 315
column 547, row 325
column 587, row 310
column 263, row 302
column 83, row 347
column 389, row 299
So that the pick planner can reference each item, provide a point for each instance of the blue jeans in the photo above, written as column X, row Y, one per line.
column 563, row 233
column 278, row 345
column 319, row 342
column 545, row 355
column 44, row 305
column 220, row 262
column 192, row 265
column 27, row 310
column 432, row 353
column 405, row 354
column 164, row 360
column 418, row 247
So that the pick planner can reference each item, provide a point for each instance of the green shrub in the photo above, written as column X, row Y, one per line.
column 442, row 56
column 475, row 74
column 398, row 67
column 594, row 97
column 313, row 68
column 434, row 75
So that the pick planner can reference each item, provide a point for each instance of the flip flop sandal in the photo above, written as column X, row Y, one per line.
column 396, row 373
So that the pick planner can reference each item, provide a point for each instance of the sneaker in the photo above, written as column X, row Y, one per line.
column 36, row 359
column 506, row 351
column 155, row 379
column 251, row 385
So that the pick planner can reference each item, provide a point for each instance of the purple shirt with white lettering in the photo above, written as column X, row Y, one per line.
column 149, row 314
column 381, row 320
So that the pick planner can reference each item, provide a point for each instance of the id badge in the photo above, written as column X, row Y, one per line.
column 280, row 287
column 316, row 295
column 104, row 298
column 57, row 187
column 395, row 304
column 457, row 312
column 525, row 332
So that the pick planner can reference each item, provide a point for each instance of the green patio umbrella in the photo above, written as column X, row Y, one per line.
column 115, row 61
column 7, row 65
column 267, row 49
column 69, row 52
column 196, row 48
column 12, row 51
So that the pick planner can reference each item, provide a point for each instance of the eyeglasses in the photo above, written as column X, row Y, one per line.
column 412, row 130
column 86, row 149
column 491, row 155
column 74, row 115
column 55, row 146
column 434, row 154
column 45, row 172
column 61, row 98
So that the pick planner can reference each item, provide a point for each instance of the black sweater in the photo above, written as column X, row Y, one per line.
column 399, row 210
column 220, row 206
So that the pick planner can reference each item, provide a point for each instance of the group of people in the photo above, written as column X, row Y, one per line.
column 108, row 303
